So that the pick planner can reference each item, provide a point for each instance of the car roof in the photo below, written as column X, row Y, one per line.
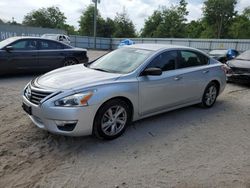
column 40, row 38
column 28, row 37
column 158, row 47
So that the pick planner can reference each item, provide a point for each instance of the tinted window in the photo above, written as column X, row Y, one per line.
column 50, row 45
column 165, row 61
column 191, row 59
column 25, row 45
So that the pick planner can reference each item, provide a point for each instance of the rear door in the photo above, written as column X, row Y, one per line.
column 193, row 74
column 24, row 55
column 51, row 54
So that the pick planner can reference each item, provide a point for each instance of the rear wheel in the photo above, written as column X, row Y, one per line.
column 112, row 119
column 69, row 61
column 210, row 95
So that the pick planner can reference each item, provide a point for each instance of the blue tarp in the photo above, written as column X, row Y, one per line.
column 126, row 42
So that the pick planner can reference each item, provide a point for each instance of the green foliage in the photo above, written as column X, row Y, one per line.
column 246, row 12
column 194, row 29
column 240, row 27
column 121, row 26
column 50, row 17
column 70, row 29
column 167, row 22
column 151, row 23
column 86, row 22
column 218, row 15
column 124, row 27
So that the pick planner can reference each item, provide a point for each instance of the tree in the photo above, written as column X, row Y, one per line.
column 124, row 27
column 86, row 22
column 108, row 28
column 240, row 27
column 194, row 29
column 217, row 16
column 70, row 29
column 167, row 22
column 149, row 29
column 246, row 12
column 50, row 17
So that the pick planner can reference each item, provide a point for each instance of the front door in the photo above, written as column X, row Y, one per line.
column 160, row 92
column 23, row 57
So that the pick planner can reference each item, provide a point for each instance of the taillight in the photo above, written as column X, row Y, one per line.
column 225, row 68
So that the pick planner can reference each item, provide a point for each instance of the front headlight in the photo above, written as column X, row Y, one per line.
column 79, row 99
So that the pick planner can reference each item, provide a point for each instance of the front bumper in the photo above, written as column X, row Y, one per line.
column 242, row 78
column 45, row 117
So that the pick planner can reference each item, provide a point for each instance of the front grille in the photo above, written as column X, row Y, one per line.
column 35, row 96
column 237, row 70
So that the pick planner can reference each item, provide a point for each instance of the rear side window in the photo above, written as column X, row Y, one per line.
column 165, row 61
column 50, row 45
column 191, row 59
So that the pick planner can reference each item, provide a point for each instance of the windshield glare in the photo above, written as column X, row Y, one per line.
column 245, row 55
column 123, row 60
column 217, row 52
column 6, row 42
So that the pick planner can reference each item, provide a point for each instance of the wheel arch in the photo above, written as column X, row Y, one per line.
column 125, row 99
column 217, row 84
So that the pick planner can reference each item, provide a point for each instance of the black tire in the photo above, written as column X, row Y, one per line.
column 210, row 95
column 69, row 61
column 102, row 120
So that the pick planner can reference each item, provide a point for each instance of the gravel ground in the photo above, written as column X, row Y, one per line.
column 190, row 147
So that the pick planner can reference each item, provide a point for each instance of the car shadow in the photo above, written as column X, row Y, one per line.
column 142, row 132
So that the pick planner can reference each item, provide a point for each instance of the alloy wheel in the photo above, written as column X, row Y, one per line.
column 210, row 95
column 114, row 120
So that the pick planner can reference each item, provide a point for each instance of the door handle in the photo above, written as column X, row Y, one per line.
column 205, row 71
column 177, row 78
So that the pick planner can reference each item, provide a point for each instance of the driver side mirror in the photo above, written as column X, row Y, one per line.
column 152, row 72
column 9, row 48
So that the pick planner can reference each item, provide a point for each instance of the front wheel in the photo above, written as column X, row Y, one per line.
column 210, row 95
column 112, row 119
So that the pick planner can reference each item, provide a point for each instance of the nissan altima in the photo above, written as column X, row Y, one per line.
column 126, row 85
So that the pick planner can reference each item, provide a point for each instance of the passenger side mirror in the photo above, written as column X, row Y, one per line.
column 8, row 48
column 152, row 72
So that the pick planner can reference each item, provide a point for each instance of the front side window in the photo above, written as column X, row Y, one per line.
column 25, row 45
column 123, row 60
column 165, row 61
column 191, row 59
column 50, row 45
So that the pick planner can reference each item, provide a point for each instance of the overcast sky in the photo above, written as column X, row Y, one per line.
column 138, row 10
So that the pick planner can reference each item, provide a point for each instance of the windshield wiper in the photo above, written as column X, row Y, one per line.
column 99, row 69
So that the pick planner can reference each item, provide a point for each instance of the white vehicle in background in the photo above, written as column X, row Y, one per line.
column 59, row 37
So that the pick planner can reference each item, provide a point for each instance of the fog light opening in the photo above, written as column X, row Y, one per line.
column 65, row 125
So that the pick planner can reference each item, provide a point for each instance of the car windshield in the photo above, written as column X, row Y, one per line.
column 218, row 52
column 6, row 42
column 123, row 60
column 245, row 55
column 49, row 36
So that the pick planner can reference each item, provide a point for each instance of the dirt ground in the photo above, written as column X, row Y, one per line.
column 191, row 147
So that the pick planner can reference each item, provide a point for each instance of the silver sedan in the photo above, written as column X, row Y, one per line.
column 126, row 85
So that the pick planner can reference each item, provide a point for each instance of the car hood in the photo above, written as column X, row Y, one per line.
column 73, row 77
column 239, row 63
